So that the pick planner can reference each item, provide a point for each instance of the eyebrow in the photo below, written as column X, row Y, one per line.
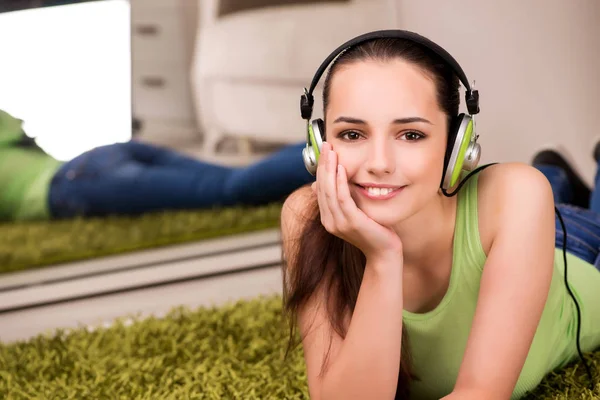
column 407, row 120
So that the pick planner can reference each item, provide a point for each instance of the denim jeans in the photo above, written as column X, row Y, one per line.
column 582, row 225
column 133, row 178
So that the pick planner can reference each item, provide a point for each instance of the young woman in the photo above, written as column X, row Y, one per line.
column 403, row 292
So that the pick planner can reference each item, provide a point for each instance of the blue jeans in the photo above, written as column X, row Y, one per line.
column 133, row 178
column 582, row 225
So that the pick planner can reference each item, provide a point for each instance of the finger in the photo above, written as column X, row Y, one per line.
column 326, row 217
column 331, row 193
column 347, row 204
column 322, row 163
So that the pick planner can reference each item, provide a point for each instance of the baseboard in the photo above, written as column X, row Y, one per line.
column 102, row 311
column 139, row 270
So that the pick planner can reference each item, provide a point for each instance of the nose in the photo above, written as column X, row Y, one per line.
column 380, row 157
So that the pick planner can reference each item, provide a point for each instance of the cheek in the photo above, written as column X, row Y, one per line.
column 423, row 165
column 348, row 161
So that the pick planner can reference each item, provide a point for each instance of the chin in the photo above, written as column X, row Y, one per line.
column 386, row 215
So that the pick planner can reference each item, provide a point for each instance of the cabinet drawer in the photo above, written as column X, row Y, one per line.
column 158, row 35
column 162, row 92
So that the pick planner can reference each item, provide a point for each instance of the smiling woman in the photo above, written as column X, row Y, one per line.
column 401, row 289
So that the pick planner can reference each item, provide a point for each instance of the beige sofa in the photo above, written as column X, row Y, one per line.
column 254, row 57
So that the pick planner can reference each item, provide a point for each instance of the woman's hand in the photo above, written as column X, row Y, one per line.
column 341, row 217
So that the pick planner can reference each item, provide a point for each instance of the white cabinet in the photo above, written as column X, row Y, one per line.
column 162, row 34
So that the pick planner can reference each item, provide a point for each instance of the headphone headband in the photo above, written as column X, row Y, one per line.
column 471, row 96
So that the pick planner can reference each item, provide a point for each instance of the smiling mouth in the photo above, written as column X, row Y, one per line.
column 379, row 193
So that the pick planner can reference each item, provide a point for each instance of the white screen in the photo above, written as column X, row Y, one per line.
column 65, row 71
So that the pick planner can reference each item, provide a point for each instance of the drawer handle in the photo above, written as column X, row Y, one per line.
column 147, row 30
column 153, row 81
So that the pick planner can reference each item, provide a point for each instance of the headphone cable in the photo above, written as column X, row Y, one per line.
column 577, row 338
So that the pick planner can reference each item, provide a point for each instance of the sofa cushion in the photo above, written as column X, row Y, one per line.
column 262, row 112
column 281, row 45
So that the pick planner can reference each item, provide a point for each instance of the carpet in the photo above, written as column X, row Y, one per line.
column 29, row 245
column 235, row 351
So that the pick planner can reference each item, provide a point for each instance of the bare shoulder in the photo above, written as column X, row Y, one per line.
column 513, row 179
column 509, row 191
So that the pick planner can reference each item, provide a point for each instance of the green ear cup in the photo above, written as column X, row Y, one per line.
column 466, row 139
column 314, row 143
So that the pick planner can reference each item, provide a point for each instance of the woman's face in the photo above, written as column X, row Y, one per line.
column 385, row 125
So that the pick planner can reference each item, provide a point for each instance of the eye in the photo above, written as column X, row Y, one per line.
column 413, row 136
column 349, row 135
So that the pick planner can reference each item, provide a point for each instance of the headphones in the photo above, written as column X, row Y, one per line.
column 462, row 153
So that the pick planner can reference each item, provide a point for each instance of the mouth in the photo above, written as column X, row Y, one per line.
column 379, row 192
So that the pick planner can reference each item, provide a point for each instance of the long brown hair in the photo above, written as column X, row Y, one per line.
column 319, row 258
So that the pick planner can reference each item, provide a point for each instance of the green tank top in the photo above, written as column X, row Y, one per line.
column 25, row 175
column 438, row 338
column 25, row 178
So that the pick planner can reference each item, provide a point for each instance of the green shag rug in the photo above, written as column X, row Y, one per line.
column 235, row 351
column 37, row 244
column 230, row 352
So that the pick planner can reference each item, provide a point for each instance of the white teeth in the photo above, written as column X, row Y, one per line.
column 379, row 191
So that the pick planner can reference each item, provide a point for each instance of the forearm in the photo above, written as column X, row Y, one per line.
column 368, row 362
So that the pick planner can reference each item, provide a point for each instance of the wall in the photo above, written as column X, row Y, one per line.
column 190, row 11
column 537, row 67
